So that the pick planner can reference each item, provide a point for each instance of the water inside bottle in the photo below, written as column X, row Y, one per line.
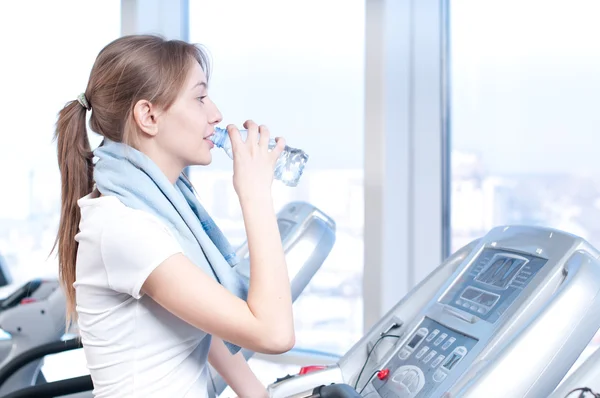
column 290, row 166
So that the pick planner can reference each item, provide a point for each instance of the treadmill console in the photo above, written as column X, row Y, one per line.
column 492, row 283
column 486, row 289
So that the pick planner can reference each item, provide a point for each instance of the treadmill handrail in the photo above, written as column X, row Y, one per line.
column 55, row 388
column 33, row 354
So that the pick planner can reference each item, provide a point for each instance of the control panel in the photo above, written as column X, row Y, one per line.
column 428, row 357
column 486, row 289
column 468, row 329
column 492, row 283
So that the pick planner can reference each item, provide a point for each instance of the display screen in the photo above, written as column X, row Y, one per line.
column 480, row 297
column 493, row 281
column 501, row 271
column 415, row 340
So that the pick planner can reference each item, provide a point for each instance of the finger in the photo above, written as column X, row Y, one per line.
column 234, row 136
column 252, row 128
column 265, row 137
column 276, row 152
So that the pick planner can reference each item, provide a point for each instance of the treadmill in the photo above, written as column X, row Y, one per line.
column 505, row 316
column 32, row 316
column 583, row 381
column 307, row 235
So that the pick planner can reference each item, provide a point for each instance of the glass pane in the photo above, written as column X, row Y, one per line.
column 46, row 63
column 48, row 50
column 525, row 83
column 285, row 65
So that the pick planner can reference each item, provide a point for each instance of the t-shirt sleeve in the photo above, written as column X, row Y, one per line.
column 132, row 246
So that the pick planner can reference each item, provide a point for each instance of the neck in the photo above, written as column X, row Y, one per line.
column 169, row 166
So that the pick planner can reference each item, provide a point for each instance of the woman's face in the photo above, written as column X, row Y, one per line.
column 184, row 129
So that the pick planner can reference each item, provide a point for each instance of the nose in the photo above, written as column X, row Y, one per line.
column 215, row 115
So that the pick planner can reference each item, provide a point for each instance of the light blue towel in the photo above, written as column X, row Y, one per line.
column 136, row 180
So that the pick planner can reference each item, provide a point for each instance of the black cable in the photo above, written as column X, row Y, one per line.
column 368, row 380
column 584, row 390
column 369, row 355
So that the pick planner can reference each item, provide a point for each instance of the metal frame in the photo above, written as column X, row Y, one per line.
column 446, row 133
column 406, row 149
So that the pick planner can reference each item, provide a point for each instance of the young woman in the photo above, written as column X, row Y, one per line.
column 148, row 277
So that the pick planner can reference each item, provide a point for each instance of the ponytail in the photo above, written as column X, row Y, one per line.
column 76, row 168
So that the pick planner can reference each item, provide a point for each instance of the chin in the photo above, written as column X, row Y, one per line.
column 203, row 160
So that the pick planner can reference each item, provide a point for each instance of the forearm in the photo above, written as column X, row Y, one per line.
column 269, row 296
column 235, row 371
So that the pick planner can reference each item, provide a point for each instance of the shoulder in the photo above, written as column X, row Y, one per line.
column 111, row 213
column 131, row 242
column 120, row 225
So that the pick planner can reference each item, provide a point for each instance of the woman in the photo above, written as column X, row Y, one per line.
column 149, row 278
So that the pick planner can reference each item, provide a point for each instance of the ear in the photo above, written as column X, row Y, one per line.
column 145, row 116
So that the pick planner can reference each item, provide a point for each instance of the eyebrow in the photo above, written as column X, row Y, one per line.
column 200, row 84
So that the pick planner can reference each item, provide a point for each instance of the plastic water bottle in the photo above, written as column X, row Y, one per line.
column 289, row 166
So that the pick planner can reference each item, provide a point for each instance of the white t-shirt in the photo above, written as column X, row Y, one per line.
column 133, row 346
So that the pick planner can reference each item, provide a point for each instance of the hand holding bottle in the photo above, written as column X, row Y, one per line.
column 289, row 166
column 253, row 161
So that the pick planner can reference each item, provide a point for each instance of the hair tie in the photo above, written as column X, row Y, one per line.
column 83, row 101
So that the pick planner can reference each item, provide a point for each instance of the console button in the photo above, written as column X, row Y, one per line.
column 413, row 383
column 404, row 353
column 432, row 335
column 407, row 381
column 439, row 376
column 429, row 356
column 437, row 361
column 422, row 352
column 410, row 377
column 440, row 339
column 448, row 343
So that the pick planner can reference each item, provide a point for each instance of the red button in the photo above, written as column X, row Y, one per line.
column 28, row 300
column 307, row 369
column 382, row 374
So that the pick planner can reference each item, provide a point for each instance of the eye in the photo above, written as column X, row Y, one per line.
column 202, row 98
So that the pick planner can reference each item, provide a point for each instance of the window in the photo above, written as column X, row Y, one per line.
column 524, row 77
column 285, row 65
column 48, row 50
